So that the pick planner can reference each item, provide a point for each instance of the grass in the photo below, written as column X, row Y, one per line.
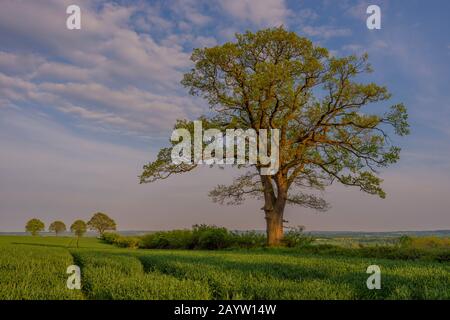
column 113, row 275
column 34, row 268
column 53, row 241
column 34, row 272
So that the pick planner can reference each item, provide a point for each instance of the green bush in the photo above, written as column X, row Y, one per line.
column 425, row 242
column 110, row 237
column 201, row 237
column 121, row 241
column 174, row 239
column 248, row 239
column 128, row 242
column 296, row 238
column 405, row 241
column 211, row 237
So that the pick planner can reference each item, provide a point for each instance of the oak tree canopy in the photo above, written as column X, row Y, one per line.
column 333, row 128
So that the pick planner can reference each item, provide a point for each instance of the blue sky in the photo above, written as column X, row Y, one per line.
column 82, row 110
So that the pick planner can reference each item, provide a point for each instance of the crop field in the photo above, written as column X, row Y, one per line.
column 35, row 268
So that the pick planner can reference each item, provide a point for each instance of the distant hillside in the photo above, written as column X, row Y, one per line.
column 323, row 234
column 360, row 234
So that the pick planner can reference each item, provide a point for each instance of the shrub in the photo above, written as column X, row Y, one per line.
column 128, row 242
column 174, row 239
column 424, row 242
column 153, row 241
column 110, row 237
column 210, row 237
column 248, row 239
column 405, row 241
column 442, row 256
column 296, row 238
column 120, row 241
column 430, row 242
column 201, row 237
column 179, row 239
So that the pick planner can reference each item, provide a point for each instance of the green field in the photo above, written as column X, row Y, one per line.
column 35, row 268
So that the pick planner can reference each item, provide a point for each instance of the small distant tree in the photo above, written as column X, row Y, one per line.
column 57, row 227
column 34, row 226
column 100, row 222
column 79, row 228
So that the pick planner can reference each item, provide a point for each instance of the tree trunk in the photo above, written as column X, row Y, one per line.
column 274, row 209
column 274, row 229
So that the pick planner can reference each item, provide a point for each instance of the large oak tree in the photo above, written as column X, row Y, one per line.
column 332, row 127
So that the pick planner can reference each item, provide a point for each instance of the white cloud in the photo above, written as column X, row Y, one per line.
column 19, row 64
column 205, row 41
column 188, row 11
column 259, row 12
column 127, row 108
column 56, row 71
column 326, row 32
column 106, row 73
column 358, row 11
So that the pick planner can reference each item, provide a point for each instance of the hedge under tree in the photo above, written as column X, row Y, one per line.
column 332, row 128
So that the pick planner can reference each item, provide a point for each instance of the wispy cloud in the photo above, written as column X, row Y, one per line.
column 76, row 106
column 326, row 32
column 263, row 13
column 107, row 72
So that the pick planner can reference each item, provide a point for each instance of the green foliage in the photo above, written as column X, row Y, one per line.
column 128, row 242
column 36, row 270
column 381, row 252
column 248, row 239
column 284, row 274
column 33, row 272
column 57, row 227
column 326, row 111
column 120, row 241
column 425, row 242
column 202, row 237
column 34, row 226
column 273, row 78
column 120, row 276
column 295, row 237
column 405, row 241
column 56, row 242
column 175, row 239
column 210, row 237
column 101, row 223
column 79, row 228
column 110, row 237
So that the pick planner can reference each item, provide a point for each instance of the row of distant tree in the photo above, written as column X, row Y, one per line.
column 99, row 222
